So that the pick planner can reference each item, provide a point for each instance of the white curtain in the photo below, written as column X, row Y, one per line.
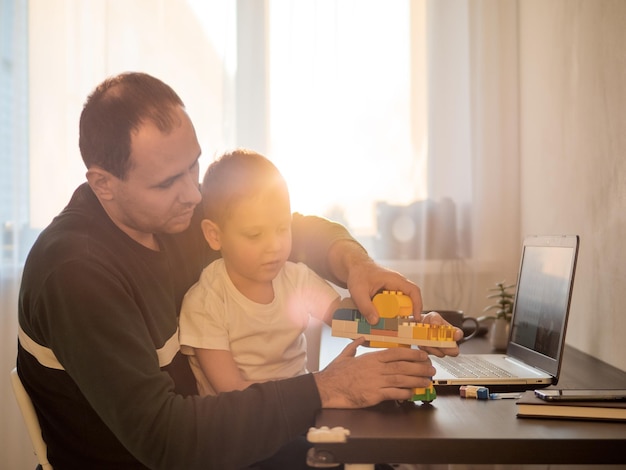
column 473, row 147
column 431, row 189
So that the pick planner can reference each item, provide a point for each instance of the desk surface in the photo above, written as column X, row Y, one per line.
column 456, row 430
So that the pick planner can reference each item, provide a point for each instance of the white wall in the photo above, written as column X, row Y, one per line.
column 573, row 153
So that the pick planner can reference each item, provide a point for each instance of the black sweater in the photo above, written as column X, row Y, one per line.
column 99, row 353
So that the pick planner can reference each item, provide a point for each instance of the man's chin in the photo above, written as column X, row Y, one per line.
column 177, row 226
column 178, row 223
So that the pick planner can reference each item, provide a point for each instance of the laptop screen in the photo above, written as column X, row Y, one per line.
column 542, row 299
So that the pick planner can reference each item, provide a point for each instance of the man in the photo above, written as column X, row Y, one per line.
column 98, row 344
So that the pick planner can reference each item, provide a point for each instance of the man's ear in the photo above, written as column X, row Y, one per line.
column 102, row 182
column 211, row 233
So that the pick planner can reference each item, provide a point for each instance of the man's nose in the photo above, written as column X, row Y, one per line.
column 191, row 191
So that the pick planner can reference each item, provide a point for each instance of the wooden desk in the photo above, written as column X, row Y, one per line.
column 467, row 431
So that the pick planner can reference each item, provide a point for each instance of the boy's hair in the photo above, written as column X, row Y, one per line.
column 117, row 108
column 238, row 174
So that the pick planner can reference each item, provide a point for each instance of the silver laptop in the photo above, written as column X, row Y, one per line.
column 538, row 326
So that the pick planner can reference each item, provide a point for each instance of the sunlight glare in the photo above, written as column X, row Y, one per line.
column 340, row 107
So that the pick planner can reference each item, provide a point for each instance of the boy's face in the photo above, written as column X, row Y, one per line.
column 255, row 238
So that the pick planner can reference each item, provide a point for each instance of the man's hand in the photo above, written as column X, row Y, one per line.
column 365, row 278
column 359, row 381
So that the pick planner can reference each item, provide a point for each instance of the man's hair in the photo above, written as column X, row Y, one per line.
column 118, row 107
column 238, row 174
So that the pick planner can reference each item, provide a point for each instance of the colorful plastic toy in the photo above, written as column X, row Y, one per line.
column 326, row 434
column 425, row 395
column 396, row 328
column 396, row 325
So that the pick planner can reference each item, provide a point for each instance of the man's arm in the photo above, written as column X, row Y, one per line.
column 312, row 238
column 350, row 263
column 328, row 248
column 107, row 359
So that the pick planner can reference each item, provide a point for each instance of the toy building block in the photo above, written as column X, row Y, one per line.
column 395, row 327
column 426, row 395
column 326, row 434
column 391, row 304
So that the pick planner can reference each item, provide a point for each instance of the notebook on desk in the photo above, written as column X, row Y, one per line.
column 538, row 325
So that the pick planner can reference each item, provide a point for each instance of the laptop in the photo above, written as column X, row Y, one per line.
column 538, row 325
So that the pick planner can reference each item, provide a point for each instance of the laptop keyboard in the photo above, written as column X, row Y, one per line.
column 465, row 366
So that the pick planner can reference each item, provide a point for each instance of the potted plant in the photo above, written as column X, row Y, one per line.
column 499, row 332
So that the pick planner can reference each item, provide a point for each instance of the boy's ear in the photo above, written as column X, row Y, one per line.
column 211, row 234
column 102, row 182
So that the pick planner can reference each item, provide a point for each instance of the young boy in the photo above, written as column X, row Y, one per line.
column 244, row 320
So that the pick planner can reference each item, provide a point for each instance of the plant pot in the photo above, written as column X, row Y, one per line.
column 499, row 334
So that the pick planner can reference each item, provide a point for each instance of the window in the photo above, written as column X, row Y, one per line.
column 337, row 93
column 343, row 121
column 14, row 202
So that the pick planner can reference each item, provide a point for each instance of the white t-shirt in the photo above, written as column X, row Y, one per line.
column 266, row 340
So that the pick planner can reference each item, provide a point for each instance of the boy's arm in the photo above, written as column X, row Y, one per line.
column 220, row 369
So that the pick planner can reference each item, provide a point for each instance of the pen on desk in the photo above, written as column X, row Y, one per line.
column 500, row 396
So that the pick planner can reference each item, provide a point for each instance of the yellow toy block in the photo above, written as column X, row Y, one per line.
column 446, row 333
column 391, row 304
column 421, row 331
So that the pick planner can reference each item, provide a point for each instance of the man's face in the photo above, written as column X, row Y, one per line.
column 160, row 190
